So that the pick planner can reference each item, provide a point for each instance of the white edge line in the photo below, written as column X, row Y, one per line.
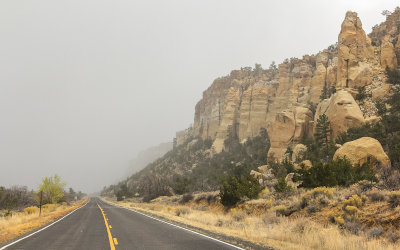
column 14, row 242
column 194, row 232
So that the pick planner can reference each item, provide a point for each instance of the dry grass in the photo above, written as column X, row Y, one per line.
column 259, row 221
column 22, row 222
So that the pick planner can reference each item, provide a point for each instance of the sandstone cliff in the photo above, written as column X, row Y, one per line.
column 279, row 98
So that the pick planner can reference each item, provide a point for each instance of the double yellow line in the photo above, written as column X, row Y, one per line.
column 113, row 241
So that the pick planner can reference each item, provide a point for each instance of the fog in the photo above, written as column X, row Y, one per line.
column 87, row 84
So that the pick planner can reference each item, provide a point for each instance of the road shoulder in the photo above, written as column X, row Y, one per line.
column 42, row 225
column 220, row 237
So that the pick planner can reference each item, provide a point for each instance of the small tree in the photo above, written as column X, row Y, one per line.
column 257, row 68
column 282, row 186
column 332, row 90
column 324, row 93
column 323, row 130
column 362, row 94
column 235, row 188
column 272, row 66
column 52, row 188
column 386, row 13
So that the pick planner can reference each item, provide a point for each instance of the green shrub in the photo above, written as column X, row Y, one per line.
column 282, row 186
column 281, row 169
column 393, row 75
column 181, row 184
column 234, row 189
column 335, row 173
column 362, row 94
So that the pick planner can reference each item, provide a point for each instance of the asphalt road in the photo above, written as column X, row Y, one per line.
column 86, row 228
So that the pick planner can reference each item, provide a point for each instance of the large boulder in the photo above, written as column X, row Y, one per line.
column 342, row 110
column 362, row 150
column 307, row 164
column 381, row 91
column 265, row 179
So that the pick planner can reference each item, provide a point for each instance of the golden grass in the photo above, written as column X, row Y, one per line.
column 23, row 222
column 265, row 229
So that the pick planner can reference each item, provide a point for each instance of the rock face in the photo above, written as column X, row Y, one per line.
column 228, row 120
column 182, row 136
column 388, row 54
column 362, row 150
column 289, row 127
column 342, row 110
column 253, row 111
column 354, row 53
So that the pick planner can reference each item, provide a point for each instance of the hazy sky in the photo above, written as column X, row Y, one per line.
column 86, row 84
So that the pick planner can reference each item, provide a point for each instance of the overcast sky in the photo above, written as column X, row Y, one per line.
column 86, row 84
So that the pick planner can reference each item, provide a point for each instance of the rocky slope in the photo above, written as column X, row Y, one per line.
column 279, row 98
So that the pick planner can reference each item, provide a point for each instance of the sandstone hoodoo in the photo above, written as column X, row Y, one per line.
column 355, row 54
column 363, row 150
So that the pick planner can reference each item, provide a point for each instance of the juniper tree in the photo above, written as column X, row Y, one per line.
column 324, row 93
column 323, row 130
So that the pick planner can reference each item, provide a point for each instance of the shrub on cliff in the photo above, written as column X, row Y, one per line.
column 393, row 75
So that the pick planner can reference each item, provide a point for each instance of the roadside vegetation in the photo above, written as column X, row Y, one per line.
column 320, row 218
column 21, row 222
column 20, row 207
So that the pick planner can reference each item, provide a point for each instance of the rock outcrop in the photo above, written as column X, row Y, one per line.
column 289, row 127
column 278, row 98
column 266, row 179
column 388, row 53
column 253, row 111
column 397, row 49
column 363, row 150
column 355, row 54
column 227, row 124
column 306, row 163
column 342, row 110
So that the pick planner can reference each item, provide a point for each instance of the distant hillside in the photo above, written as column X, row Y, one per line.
column 147, row 156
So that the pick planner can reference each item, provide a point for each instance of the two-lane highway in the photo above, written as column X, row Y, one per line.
column 99, row 225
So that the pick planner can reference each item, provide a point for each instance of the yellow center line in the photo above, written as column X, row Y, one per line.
column 116, row 241
column 110, row 238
